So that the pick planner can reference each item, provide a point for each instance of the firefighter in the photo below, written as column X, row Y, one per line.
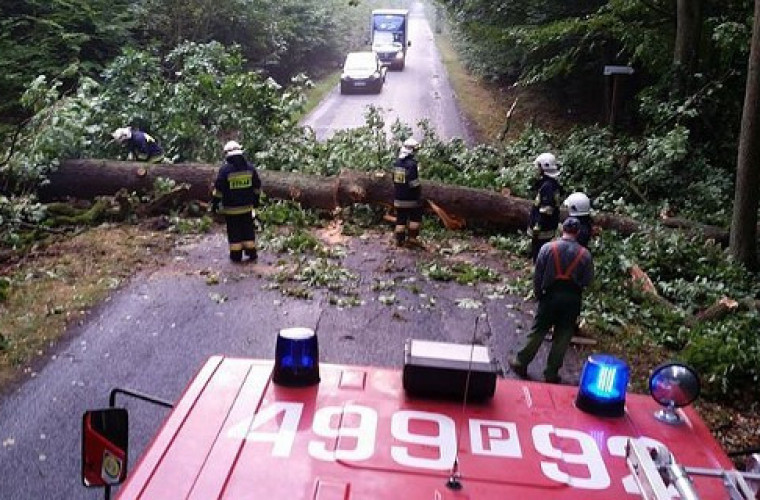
column 563, row 269
column 407, row 198
column 236, row 193
column 579, row 206
column 141, row 146
column 544, row 215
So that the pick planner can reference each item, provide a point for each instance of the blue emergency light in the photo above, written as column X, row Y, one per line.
column 296, row 359
column 603, row 384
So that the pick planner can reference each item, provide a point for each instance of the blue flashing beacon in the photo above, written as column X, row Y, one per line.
column 603, row 385
column 296, row 359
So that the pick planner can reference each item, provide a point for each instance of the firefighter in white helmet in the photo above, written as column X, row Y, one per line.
column 236, row 193
column 579, row 206
column 544, row 216
column 141, row 146
column 407, row 199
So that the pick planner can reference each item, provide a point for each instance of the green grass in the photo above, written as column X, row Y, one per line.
column 321, row 88
column 478, row 101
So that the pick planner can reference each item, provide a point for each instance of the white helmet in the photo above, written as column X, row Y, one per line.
column 547, row 162
column 578, row 204
column 122, row 134
column 232, row 148
column 411, row 143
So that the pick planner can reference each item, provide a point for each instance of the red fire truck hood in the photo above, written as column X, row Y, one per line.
column 236, row 435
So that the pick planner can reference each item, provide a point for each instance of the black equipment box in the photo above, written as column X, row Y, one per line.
column 445, row 370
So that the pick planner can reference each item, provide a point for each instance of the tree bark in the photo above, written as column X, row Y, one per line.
column 688, row 34
column 708, row 232
column 743, row 241
column 479, row 207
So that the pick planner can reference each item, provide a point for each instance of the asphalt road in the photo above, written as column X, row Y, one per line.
column 420, row 91
column 152, row 336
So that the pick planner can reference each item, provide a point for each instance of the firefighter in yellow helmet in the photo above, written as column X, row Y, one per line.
column 236, row 194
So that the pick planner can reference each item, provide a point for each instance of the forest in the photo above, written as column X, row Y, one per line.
column 684, row 141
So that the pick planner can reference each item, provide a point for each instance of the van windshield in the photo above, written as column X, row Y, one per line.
column 360, row 62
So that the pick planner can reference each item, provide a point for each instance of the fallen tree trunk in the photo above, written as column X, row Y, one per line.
column 479, row 207
column 709, row 232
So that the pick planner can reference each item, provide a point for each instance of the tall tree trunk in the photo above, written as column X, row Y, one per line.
column 688, row 35
column 743, row 240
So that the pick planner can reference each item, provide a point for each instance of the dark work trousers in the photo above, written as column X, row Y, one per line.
column 240, row 231
column 408, row 221
column 535, row 245
column 406, row 215
column 560, row 308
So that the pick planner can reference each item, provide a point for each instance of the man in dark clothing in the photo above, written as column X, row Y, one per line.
column 544, row 215
column 563, row 269
column 407, row 199
column 236, row 193
column 579, row 206
column 141, row 146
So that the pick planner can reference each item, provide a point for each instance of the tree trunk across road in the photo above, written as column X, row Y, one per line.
column 86, row 179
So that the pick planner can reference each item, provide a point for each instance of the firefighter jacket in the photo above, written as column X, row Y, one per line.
column 584, row 234
column 562, row 259
column 143, row 147
column 544, row 215
column 406, row 182
column 237, row 186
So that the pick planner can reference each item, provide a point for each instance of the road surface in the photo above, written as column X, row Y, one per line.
column 154, row 334
column 421, row 91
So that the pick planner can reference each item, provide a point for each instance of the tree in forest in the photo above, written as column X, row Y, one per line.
column 688, row 33
column 63, row 40
column 743, row 242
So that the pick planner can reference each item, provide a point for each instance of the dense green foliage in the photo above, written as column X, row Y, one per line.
column 68, row 40
column 690, row 132
column 195, row 95
column 61, row 39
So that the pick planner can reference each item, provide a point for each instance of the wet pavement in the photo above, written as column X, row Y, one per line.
column 153, row 334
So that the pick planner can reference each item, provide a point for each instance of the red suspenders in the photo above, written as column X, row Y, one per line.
column 567, row 273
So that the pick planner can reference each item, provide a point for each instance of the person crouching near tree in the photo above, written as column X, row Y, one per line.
column 236, row 194
column 563, row 269
column 140, row 146
column 407, row 198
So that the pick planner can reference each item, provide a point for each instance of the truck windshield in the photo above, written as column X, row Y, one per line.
column 384, row 38
column 387, row 22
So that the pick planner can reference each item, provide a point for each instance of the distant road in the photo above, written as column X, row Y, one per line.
column 420, row 91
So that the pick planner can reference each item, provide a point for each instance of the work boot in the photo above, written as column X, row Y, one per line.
column 414, row 244
column 552, row 379
column 236, row 255
column 400, row 237
column 251, row 254
column 517, row 367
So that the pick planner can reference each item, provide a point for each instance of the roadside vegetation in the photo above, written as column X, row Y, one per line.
column 673, row 152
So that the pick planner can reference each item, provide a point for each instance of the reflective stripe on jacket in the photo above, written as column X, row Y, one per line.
column 544, row 215
column 407, row 190
column 238, row 186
